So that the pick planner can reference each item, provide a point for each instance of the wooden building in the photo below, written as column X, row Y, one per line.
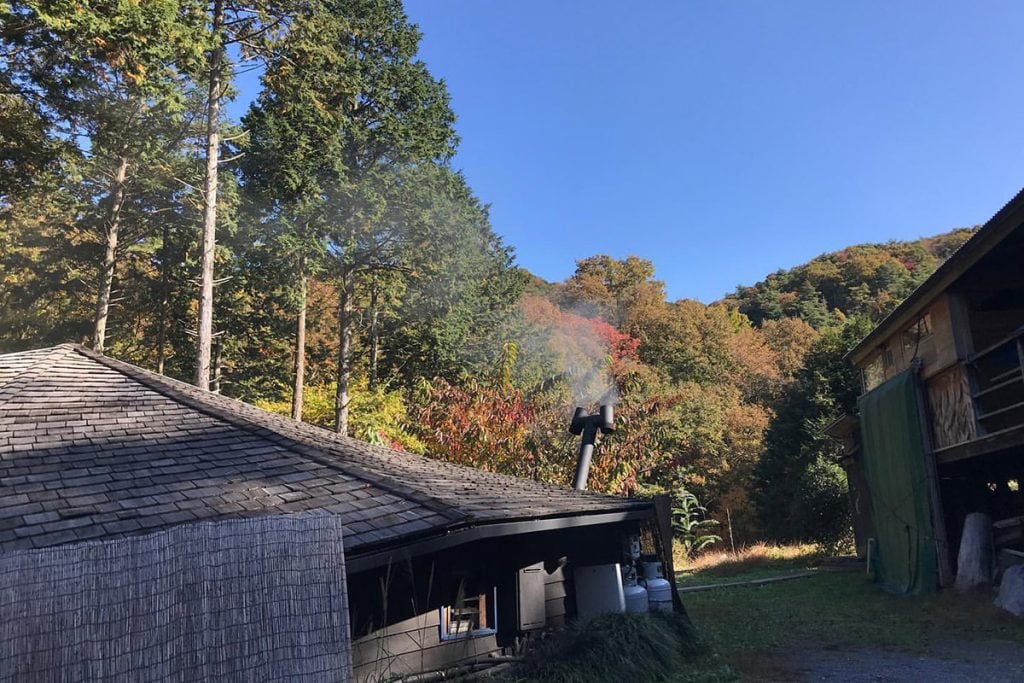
column 959, row 340
column 445, row 564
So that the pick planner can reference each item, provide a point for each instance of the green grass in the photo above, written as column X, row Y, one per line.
column 747, row 631
column 748, row 626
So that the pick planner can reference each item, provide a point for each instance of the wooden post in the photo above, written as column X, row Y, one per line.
column 663, row 517
column 932, row 481
column 1020, row 355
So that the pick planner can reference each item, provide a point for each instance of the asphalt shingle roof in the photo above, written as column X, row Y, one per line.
column 92, row 447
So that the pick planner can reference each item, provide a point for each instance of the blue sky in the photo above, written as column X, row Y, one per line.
column 725, row 140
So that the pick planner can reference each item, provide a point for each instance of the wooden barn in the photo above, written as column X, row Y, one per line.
column 445, row 564
column 940, row 429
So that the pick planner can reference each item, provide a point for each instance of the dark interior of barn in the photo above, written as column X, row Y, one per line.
column 990, row 484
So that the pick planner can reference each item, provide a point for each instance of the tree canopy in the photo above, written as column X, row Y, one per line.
column 322, row 257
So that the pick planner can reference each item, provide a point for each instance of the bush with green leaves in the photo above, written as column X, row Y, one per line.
column 379, row 415
column 691, row 524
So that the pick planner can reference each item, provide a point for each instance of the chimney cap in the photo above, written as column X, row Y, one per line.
column 579, row 417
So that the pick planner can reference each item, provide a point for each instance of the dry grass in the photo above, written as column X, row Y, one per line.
column 715, row 563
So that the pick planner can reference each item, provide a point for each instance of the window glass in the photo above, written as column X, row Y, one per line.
column 916, row 333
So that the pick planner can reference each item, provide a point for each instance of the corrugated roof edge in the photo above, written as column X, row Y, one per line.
column 991, row 234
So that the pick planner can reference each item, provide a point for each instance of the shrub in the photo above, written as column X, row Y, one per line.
column 615, row 647
column 377, row 416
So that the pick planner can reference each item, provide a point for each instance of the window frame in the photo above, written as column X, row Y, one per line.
column 490, row 600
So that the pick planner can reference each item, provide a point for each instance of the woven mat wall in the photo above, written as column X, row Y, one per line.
column 259, row 599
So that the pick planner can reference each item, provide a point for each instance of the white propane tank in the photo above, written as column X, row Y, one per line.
column 659, row 593
column 659, row 590
column 636, row 598
column 652, row 570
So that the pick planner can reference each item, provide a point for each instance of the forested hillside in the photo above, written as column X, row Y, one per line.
column 866, row 279
column 322, row 258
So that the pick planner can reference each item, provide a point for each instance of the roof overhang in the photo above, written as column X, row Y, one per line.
column 404, row 549
column 991, row 234
column 841, row 427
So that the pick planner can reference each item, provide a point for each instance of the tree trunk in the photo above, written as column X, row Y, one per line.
column 205, row 327
column 161, row 333
column 215, row 381
column 374, row 332
column 341, row 397
column 300, row 347
column 117, row 195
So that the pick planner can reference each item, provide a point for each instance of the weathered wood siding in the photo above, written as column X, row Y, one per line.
column 555, row 609
column 943, row 348
column 948, row 343
column 949, row 394
column 413, row 646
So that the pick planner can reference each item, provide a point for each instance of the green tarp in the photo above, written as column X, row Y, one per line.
column 894, row 464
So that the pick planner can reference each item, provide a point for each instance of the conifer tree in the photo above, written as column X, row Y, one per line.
column 364, row 108
column 104, row 80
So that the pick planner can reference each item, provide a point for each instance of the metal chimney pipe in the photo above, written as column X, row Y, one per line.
column 588, row 426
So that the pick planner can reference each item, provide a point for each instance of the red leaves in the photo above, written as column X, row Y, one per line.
column 476, row 425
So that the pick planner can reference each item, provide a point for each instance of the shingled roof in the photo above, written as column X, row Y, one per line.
column 92, row 447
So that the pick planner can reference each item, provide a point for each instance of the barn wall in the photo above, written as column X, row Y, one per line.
column 412, row 646
column 248, row 599
column 949, row 397
column 410, row 642
column 936, row 351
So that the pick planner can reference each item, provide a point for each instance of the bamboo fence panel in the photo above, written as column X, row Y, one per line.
column 259, row 599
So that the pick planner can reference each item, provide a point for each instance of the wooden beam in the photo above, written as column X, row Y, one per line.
column 753, row 582
column 663, row 517
column 943, row 555
column 990, row 443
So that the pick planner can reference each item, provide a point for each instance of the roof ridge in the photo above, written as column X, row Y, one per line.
column 182, row 392
column 12, row 386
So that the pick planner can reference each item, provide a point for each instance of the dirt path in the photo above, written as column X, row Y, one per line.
column 993, row 661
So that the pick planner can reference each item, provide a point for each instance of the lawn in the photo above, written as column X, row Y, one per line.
column 771, row 631
column 747, row 627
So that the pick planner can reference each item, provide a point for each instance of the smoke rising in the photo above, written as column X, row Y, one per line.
column 579, row 349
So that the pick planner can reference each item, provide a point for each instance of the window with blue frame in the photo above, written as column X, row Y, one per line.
column 470, row 617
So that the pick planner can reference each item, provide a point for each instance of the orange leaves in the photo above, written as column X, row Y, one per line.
column 479, row 426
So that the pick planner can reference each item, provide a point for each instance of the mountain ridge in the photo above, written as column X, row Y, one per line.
column 862, row 279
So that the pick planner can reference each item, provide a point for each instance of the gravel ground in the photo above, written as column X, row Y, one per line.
column 977, row 662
